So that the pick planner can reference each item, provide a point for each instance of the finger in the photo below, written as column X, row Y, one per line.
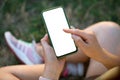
column 48, row 50
column 72, row 31
column 78, row 41
column 44, row 43
column 45, row 38
column 77, row 32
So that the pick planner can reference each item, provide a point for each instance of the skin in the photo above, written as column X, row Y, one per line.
column 88, row 43
column 112, row 74
column 24, row 72
column 50, row 58
column 108, row 36
column 109, row 42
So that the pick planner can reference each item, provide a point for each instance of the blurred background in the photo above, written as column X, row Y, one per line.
column 23, row 18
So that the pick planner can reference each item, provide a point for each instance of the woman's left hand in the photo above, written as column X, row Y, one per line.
column 53, row 66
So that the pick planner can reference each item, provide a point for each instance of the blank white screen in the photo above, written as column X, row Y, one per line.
column 56, row 21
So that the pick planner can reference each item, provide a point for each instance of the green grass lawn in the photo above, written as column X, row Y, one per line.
column 23, row 18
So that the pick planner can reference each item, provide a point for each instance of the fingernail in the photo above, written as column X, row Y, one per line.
column 65, row 29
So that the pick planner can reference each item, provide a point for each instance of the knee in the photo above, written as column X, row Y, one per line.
column 3, row 74
column 6, row 75
column 104, row 27
column 4, row 69
column 107, row 24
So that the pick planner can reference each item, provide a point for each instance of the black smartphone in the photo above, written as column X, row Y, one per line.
column 55, row 20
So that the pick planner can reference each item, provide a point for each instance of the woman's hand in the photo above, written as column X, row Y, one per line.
column 87, row 42
column 53, row 66
column 89, row 45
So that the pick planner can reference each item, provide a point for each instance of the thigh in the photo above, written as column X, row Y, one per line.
column 108, row 35
column 24, row 72
column 112, row 74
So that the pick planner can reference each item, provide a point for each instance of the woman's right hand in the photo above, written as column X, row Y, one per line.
column 90, row 46
column 87, row 42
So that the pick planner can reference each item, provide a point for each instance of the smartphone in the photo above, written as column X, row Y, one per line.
column 55, row 20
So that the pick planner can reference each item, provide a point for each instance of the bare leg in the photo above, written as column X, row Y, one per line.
column 7, row 76
column 112, row 74
column 108, row 35
column 27, row 72
column 77, row 57
column 21, row 72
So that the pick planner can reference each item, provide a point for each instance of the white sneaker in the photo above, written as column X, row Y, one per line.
column 24, row 51
column 73, row 69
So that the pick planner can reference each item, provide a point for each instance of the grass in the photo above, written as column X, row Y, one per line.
column 23, row 18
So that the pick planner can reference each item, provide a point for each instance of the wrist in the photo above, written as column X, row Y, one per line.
column 51, row 74
column 104, row 59
column 101, row 56
column 43, row 78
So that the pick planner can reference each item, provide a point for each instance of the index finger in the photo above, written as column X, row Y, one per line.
column 77, row 32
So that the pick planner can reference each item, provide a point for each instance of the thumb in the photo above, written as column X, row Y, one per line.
column 49, row 53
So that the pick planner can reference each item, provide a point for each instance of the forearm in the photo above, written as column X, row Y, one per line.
column 109, row 60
